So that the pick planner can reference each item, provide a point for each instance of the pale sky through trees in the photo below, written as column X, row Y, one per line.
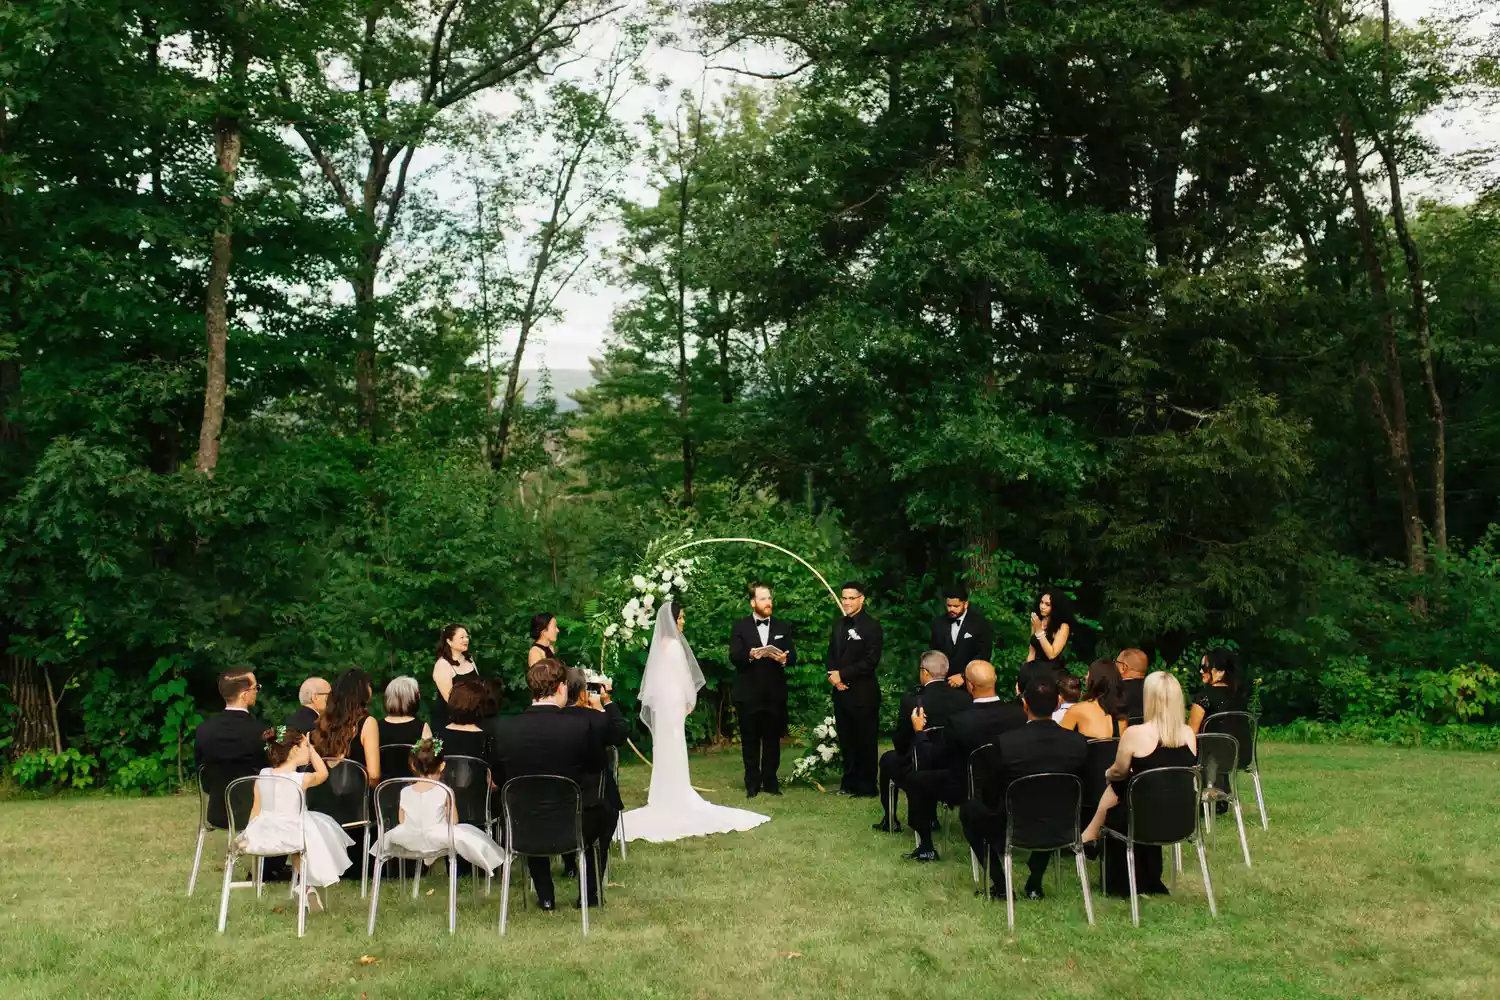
column 588, row 305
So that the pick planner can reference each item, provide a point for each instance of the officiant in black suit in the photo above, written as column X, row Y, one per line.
column 761, row 649
column 961, row 633
column 546, row 740
column 854, row 648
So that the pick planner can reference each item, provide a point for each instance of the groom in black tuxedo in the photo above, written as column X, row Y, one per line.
column 961, row 633
column 760, row 647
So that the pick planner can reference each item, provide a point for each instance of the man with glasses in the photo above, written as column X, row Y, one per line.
column 854, row 648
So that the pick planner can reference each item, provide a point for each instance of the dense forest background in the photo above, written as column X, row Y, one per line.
column 1151, row 300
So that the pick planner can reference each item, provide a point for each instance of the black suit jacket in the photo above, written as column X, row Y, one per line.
column 546, row 740
column 1038, row 747
column 975, row 726
column 976, row 640
column 612, row 731
column 1135, row 697
column 233, row 745
column 854, row 649
column 940, row 702
column 304, row 720
column 760, row 685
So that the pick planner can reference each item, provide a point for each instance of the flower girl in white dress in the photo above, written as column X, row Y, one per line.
column 427, row 813
column 319, row 846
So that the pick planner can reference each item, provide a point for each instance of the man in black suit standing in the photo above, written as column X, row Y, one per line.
column 923, row 711
column 312, row 698
column 544, row 740
column 854, row 648
column 233, row 742
column 761, row 649
column 1039, row 747
column 961, row 633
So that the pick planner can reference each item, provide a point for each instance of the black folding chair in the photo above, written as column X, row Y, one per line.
column 543, row 818
column 239, row 797
column 984, row 787
column 387, row 815
column 1041, row 814
column 1244, row 727
column 1162, row 804
column 213, row 779
column 346, row 797
column 1217, row 757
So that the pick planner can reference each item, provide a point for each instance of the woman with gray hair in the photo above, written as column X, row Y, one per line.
column 401, row 726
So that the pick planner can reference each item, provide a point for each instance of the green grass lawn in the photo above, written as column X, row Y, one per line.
column 1378, row 878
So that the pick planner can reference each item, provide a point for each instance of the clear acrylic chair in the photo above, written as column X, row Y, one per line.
column 614, row 772
column 213, row 779
column 1041, row 814
column 388, row 815
column 1217, row 757
column 239, row 796
column 1162, row 806
column 543, row 818
column 1244, row 727
column 984, row 787
column 346, row 797
column 469, row 777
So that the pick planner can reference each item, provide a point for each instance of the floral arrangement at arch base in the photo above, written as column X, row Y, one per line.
column 820, row 759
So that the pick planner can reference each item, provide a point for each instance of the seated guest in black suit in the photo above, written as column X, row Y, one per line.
column 1133, row 667
column 312, row 696
column 232, row 742
column 1039, row 747
column 985, row 721
column 603, row 714
column 544, row 740
column 938, row 703
column 1222, row 691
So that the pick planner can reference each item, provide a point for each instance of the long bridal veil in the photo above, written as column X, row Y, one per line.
column 669, row 692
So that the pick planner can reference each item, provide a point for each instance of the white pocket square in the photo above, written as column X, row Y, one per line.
column 778, row 637
column 968, row 635
column 853, row 634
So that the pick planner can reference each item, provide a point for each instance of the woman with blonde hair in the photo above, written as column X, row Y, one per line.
column 1163, row 740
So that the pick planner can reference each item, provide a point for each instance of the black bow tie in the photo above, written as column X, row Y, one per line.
column 759, row 622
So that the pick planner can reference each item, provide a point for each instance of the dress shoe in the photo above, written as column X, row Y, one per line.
column 994, row 892
column 843, row 791
column 546, row 904
column 1034, row 893
column 772, row 789
column 930, row 854
column 751, row 793
column 887, row 826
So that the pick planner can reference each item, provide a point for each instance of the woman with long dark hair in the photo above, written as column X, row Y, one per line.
column 1051, row 626
column 544, row 633
column 1223, row 689
column 346, row 729
column 1100, row 713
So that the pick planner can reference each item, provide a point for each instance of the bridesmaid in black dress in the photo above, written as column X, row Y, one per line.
column 1163, row 740
column 1222, row 691
column 544, row 633
column 1051, row 627
column 346, row 729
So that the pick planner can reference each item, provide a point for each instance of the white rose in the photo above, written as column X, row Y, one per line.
column 667, row 597
column 679, row 582
column 613, row 628
column 827, row 752
column 639, row 582
column 648, row 600
column 626, row 634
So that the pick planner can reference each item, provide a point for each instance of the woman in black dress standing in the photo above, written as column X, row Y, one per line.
column 346, row 729
column 1163, row 740
column 1222, row 691
column 452, row 663
column 544, row 633
column 1051, row 627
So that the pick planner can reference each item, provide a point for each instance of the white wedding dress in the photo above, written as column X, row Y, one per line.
column 669, row 691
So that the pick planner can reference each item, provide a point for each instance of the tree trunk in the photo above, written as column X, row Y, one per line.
column 228, row 143
column 1392, row 414
column 33, row 728
column 364, row 343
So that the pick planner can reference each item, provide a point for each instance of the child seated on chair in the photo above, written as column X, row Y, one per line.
column 280, row 824
column 428, row 813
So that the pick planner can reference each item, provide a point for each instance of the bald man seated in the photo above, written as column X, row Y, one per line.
column 313, row 697
column 1134, row 665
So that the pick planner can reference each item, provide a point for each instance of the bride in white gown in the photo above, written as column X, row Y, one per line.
column 669, row 692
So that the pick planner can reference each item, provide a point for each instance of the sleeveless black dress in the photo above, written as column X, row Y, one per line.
column 439, row 709
column 400, row 737
column 1148, row 860
column 546, row 650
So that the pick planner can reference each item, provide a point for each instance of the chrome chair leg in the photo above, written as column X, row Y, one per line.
column 416, row 881
column 452, row 893
column 974, row 865
column 224, row 896
column 364, row 864
column 1135, row 902
column 1010, row 894
column 197, row 859
column 1239, row 821
column 1260, row 799
column 1208, row 886
column 1083, row 880
column 300, row 881
column 504, row 892
column 260, row 876
column 583, row 890
column 375, row 894
column 620, row 832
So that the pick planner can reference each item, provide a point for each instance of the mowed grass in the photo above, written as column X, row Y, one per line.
column 1379, row 877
